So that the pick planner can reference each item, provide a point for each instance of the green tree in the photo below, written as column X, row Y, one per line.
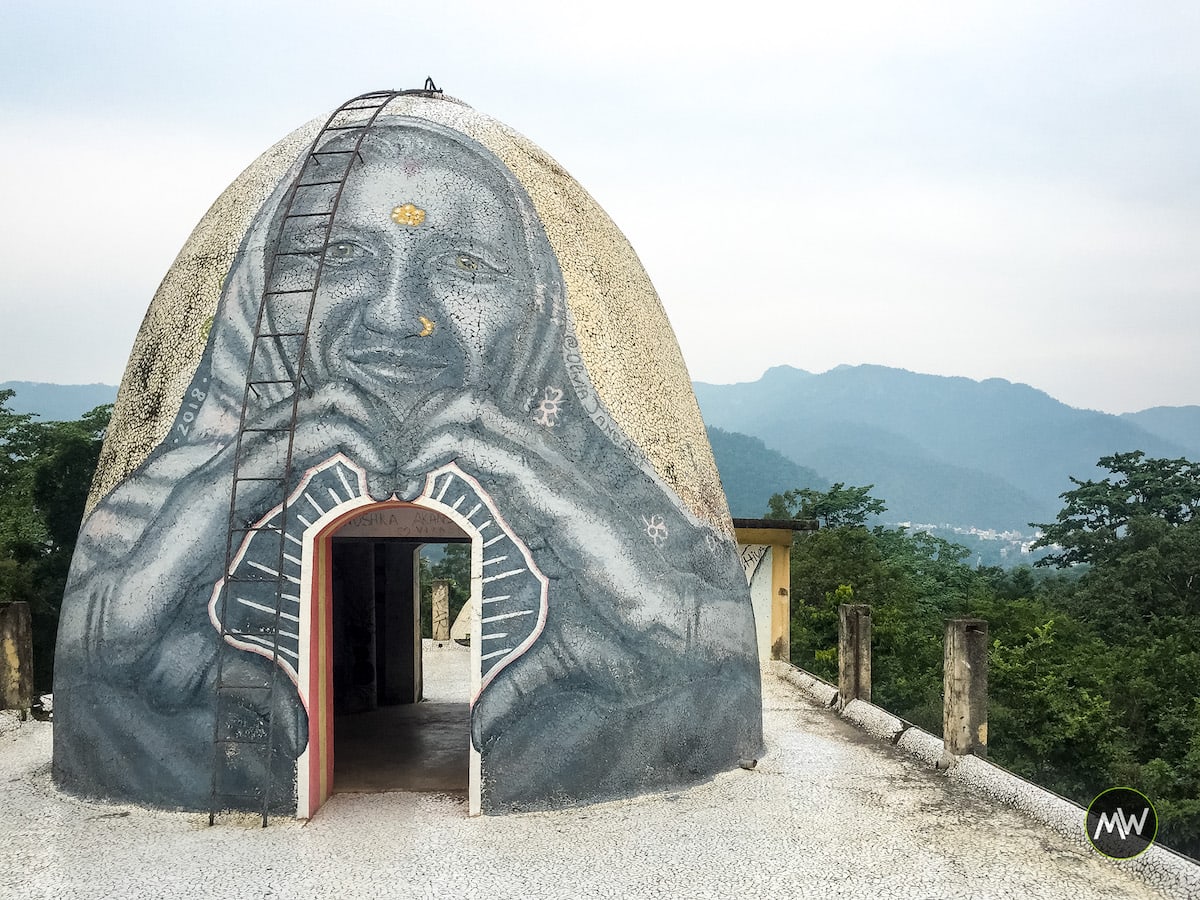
column 1097, row 516
column 911, row 581
column 1135, row 536
column 46, row 470
column 828, row 565
column 21, row 530
column 1050, row 685
column 838, row 507
column 1094, row 665
column 454, row 566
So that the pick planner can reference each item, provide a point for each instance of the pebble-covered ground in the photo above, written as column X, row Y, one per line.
column 829, row 812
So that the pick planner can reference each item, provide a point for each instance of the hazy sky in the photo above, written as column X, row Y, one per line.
column 984, row 189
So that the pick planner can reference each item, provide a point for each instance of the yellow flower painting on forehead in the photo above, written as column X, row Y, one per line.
column 409, row 215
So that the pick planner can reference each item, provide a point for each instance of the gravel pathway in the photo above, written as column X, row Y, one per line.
column 829, row 812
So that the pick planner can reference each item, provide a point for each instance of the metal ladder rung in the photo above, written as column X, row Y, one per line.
column 307, row 215
column 250, row 530
column 295, row 381
column 279, row 334
column 241, row 741
column 331, row 152
column 237, row 795
column 269, row 529
column 242, row 687
column 343, row 127
column 319, row 183
column 279, row 293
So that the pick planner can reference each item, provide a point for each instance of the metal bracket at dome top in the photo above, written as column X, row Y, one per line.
column 430, row 90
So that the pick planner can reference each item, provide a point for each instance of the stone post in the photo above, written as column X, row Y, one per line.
column 854, row 653
column 964, row 716
column 441, row 610
column 16, row 657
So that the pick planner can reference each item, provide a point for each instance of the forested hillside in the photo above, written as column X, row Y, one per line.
column 750, row 473
column 988, row 454
column 1178, row 424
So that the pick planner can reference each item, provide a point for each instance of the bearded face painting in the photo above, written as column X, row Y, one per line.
column 472, row 336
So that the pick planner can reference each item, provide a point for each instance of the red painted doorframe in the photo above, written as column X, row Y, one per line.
column 319, row 653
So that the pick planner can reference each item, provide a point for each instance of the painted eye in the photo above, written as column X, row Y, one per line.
column 468, row 263
column 344, row 251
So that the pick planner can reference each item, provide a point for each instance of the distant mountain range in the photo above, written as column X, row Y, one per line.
column 945, row 451
column 57, row 402
column 1178, row 424
column 751, row 473
column 951, row 452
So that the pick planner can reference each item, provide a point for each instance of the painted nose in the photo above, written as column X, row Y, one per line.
column 396, row 309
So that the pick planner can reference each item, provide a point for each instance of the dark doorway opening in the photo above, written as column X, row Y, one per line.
column 388, row 734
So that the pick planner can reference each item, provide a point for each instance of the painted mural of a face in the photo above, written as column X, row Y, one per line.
column 438, row 331
column 427, row 292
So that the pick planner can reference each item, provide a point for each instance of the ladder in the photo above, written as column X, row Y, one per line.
column 244, row 723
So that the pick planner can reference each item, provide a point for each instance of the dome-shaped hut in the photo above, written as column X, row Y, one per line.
column 404, row 313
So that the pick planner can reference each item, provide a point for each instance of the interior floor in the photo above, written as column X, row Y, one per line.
column 413, row 746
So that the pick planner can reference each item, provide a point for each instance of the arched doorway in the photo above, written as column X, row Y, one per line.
column 401, row 698
column 360, row 647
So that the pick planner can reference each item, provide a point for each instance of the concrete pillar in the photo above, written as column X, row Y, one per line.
column 417, row 664
column 16, row 657
column 393, row 613
column 441, row 610
column 964, row 716
column 854, row 653
column 781, row 602
column 399, row 614
column 354, row 654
